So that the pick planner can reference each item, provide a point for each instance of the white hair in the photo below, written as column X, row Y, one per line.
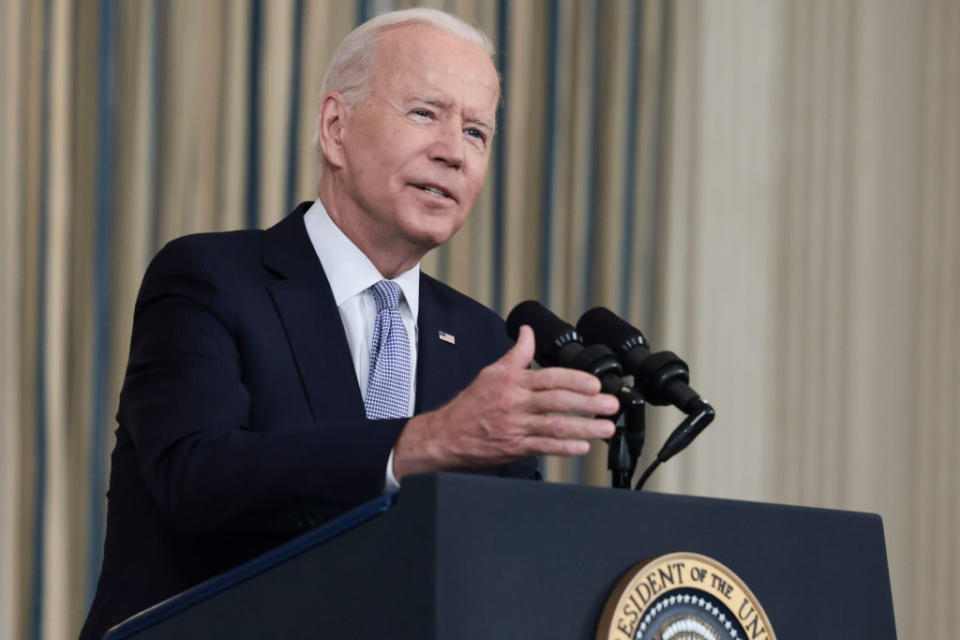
column 352, row 65
column 351, row 69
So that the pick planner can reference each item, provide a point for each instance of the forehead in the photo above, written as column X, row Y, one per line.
column 421, row 60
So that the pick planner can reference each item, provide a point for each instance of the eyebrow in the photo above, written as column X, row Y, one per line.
column 442, row 103
column 483, row 122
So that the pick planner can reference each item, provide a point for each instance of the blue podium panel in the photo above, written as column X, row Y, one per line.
column 474, row 557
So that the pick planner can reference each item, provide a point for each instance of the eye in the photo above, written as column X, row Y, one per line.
column 476, row 133
column 422, row 113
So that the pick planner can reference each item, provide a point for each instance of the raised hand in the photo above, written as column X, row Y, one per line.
column 508, row 412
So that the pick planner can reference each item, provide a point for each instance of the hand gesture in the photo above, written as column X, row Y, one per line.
column 508, row 412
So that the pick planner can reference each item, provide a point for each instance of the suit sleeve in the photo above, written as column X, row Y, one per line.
column 186, row 410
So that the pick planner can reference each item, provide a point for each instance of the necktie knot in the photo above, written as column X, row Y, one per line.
column 387, row 295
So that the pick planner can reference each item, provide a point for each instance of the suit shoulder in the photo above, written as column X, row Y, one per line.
column 221, row 255
column 456, row 302
column 243, row 250
column 203, row 266
column 217, row 243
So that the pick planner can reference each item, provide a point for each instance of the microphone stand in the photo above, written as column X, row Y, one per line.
column 627, row 441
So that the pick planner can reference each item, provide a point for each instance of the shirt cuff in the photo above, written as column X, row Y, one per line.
column 390, row 482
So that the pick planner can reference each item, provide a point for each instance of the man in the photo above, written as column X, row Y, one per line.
column 272, row 373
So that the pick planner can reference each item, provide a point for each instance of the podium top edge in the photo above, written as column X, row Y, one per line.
column 302, row 543
column 455, row 480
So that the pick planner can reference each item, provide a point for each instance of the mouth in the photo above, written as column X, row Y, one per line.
column 435, row 190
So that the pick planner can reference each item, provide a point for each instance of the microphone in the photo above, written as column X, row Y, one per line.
column 662, row 377
column 559, row 345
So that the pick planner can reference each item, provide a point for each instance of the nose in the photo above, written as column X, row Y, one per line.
column 448, row 147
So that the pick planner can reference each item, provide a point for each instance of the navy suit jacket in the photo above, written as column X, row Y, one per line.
column 241, row 423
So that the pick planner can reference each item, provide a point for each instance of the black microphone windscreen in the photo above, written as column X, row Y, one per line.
column 602, row 326
column 550, row 332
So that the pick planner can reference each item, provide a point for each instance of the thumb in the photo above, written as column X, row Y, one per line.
column 521, row 353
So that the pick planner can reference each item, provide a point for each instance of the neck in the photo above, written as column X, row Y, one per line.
column 390, row 255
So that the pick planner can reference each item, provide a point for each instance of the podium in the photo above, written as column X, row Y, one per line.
column 471, row 557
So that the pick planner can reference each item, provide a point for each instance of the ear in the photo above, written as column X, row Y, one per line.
column 331, row 119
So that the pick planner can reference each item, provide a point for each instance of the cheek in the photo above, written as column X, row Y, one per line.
column 476, row 177
column 376, row 175
column 389, row 161
column 371, row 146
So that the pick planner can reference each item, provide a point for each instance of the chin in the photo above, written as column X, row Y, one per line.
column 430, row 236
column 431, row 239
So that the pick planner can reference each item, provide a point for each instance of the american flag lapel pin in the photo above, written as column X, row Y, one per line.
column 447, row 337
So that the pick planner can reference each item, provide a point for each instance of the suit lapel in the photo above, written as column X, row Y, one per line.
column 439, row 364
column 306, row 307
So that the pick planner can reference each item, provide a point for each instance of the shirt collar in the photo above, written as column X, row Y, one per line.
column 348, row 270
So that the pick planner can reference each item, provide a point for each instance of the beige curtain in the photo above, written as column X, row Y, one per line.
column 810, row 271
column 768, row 188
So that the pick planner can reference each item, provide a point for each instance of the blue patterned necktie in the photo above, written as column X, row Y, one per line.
column 388, row 387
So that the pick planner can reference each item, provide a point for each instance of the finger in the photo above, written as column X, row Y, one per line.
column 563, row 378
column 521, row 353
column 553, row 447
column 563, row 400
column 564, row 427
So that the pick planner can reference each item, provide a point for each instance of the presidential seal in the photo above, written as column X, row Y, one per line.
column 682, row 596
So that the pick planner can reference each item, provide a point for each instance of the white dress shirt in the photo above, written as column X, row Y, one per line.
column 351, row 274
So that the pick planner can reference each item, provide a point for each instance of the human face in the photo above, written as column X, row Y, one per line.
column 416, row 150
